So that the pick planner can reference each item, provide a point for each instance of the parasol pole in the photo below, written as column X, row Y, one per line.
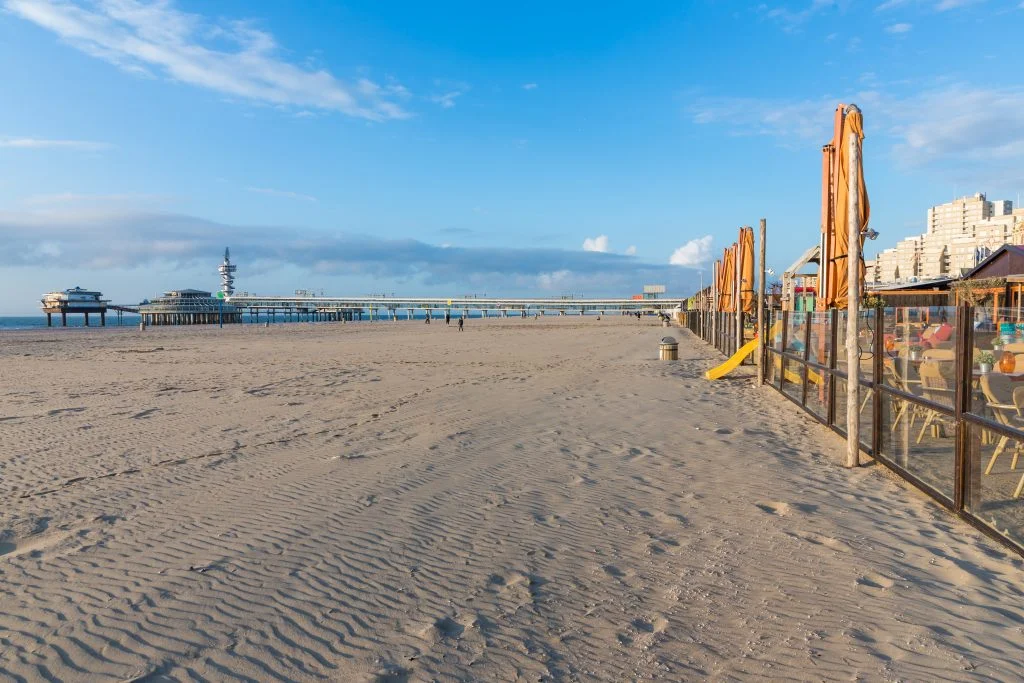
column 714, row 305
column 760, row 309
column 853, row 305
column 737, row 299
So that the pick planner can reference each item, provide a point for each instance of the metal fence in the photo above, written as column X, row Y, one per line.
column 941, row 396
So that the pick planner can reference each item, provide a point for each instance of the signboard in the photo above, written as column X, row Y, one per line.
column 654, row 289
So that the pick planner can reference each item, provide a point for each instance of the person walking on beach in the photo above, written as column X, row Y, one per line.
column 447, row 317
column 460, row 324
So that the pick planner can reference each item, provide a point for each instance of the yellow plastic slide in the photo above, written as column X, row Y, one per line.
column 731, row 364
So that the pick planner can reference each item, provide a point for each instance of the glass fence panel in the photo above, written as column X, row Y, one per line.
column 775, row 330
column 821, row 337
column 866, row 403
column 795, row 334
column 792, row 379
column 817, row 393
column 865, row 344
column 997, row 366
column 920, row 351
column 921, row 440
column 771, row 369
column 996, row 482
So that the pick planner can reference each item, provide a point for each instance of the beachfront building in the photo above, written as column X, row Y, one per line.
column 960, row 235
column 74, row 300
column 188, row 307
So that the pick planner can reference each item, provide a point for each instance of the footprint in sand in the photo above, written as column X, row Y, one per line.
column 652, row 624
column 875, row 581
column 777, row 508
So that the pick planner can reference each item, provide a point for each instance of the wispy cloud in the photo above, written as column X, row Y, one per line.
column 65, row 198
column 955, row 127
column 792, row 20
column 114, row 239
column 231, row 57
column 37, row 143
column 281, row 193
column 899, row 28
column 599, row 243
column 529, row 86
column 806, row 118
column 449, row 91
column 694, row 253
column 937, row 5
column 630, row 250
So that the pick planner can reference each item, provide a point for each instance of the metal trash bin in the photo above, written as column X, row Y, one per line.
column 668, row 349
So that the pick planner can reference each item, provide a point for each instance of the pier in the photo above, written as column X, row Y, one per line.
column 74, row 300
column 314, row 308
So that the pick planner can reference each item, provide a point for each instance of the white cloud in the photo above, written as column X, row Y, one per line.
column 36, row 143
column 599, row 243
column 781, row 118
column 940, row 6
column 450, row 92
column 446, row 100
column 529, row 86
column 281, row 193
column 964, row 130
column 792, row 21
column 960, row 123
column 630, row 250
column 63, row 198
column 899, row 28
column 693, row 253
column 231, row 57
column 104, row 237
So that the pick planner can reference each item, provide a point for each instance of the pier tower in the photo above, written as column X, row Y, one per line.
column 227, row 274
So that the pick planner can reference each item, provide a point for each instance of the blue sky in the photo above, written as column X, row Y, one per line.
column 464, row 147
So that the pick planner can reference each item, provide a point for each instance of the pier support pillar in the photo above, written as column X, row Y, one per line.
column 87, row 319
column 49, row 320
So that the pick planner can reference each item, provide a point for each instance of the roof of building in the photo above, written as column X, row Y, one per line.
column 1007, row 260
column 942, row 284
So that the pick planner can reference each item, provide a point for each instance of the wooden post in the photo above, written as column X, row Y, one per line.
column 714, row 306
column 853, row 310
column 760, row 307
column 737, row 303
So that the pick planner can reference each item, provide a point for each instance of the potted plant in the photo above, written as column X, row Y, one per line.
column 985, row 360
column 915, row 352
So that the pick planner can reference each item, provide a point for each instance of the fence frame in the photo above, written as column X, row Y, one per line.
column 967, row 423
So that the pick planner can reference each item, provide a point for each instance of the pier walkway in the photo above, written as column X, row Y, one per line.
column 350, row 307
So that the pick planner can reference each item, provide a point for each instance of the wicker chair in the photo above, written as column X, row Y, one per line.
column 1005, row 403
column 934, row 387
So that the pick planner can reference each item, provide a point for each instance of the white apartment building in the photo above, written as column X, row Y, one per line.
column 958, row 233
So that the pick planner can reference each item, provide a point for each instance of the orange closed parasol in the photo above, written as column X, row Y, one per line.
column 728, row 271
column 747, row 269
column 836, row 205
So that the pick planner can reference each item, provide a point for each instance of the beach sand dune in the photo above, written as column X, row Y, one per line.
column 527, row 501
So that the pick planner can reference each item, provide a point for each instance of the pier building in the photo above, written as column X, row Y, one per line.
column 74, row 300
column 189, row 307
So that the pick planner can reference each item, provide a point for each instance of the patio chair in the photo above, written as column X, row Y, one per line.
column 934, row 387
column 1003, row 402
column 1018, row 401
column 940, row 354
column 903, row 408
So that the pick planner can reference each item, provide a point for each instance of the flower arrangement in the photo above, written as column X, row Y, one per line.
column 985, row 358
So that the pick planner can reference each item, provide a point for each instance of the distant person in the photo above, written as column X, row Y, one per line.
column 638, row 315
column 447, row 317
column 461, row 321
column 427, row 318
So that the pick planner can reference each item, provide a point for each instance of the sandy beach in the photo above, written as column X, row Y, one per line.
column 524, row 501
